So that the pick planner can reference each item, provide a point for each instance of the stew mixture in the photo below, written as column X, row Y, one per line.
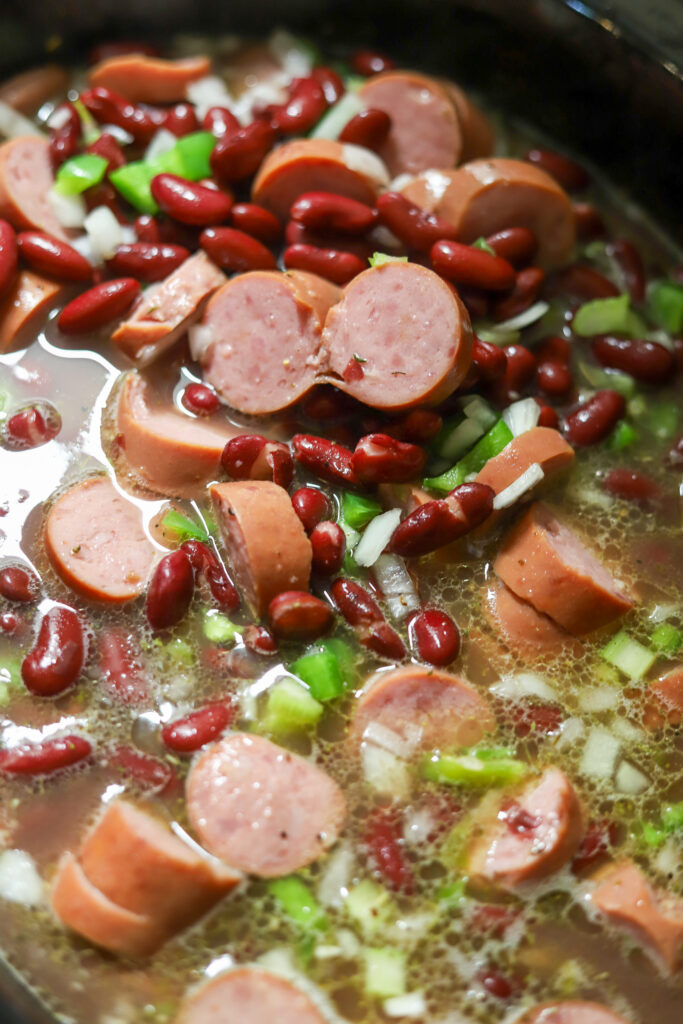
column 341, row 671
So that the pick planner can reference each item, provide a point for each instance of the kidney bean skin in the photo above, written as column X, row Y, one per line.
column 418, row 426
column 220, row 121
column 185, row 735
column 439, row 522
column 64, row 141
column 383, row 640
column 355, row 603
column 326, row 211
column 200, row 400
column 46, row 757
column 8, row 256
column 181, row 119
column 190, row 202
column 464, row 264
column 109, row 149
column 496, row 984
column 384, row 840
column 370, row 62
column 516, row 245
column 519, row 370
column 298, row 615
column 256, row 221
column 415, row 228
column 304, row 108
column 548, row 417
column 204, row 561
column 630, row 485
column 644, row 360
column 238, row 155
column 554, row 379
column 312, row 507
column 18, row 584
column 585, row 283
column 121, row 667
column 12, row 624
column 259, row 640
column 554, row 349
column 336, row 266
column 379, row 458
column 98, row 306
column 631, row 265
column 149, row 773
column 331, row 82
column 489, row 360
column 170, row 590
column 436, row 637
column 595, row 419
column 29, row 428
column 147, row 261
column 566, row 172
column 329, row 461
column 528, row 284
column 368, row 128
column 53, row 257
column 108, row 107
column 328, row 541
column 56, row 659
column 253, row 457
column 589, row 223
column 235, row 251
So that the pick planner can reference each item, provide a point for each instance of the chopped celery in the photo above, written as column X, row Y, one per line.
column 10, row 673
column 490, row 445
column 378, row 259
column 385, row 972
column 180, row 651
column 298, row 902
column 614, row 379
column 661, row 418
column 628, row 655
column 672, row 817
column 370, row 906
column 219, row 629
column 4, row 695
column 183, row 528
column 665, row 304
column 623, row 436
column 194, row 151
column 338, row 116
column 357, row 510
column 478, row 769
column 666, row 638
column 80, row 173
column 482, row 244
column 133, row 181
column 653, row 836
column 321, row 673
column 451, row 893
column 496, row 336
column 607, row 316
column 290, row 708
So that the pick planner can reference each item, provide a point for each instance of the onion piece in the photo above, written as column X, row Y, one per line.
column 384, row 772
column 376, row 537
column 571, row 730
column 599, row 754
column 523, row 684
column 598, row 698
column 412, row 1004
column 514, row 491
column 58, row 118
column 123, row 137
column 208, row 92
column 70, row 211
column 630, row 779
column 522, row 416
column 389, row 740
column 13, row 124
column 397, row 586
column 160, row 143
column 331, row 124
column 333, row 887
column 200, row 336
column 104, row 232
column 294, row 56
column 524, row 319
column 19, row 878
column 475, row 408
column 366, row 163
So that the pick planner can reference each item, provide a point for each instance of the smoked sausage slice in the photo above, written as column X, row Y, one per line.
column 29, row 300
column 30, row 89
column 25, row 182
column 95, row 540
column 543, row 445
column 544, row 562
column 249, row 995
column 262, row 809
column 573, row 1011
column 266, row 542
column 144, row 79
column 665, row 700
column 527, row 632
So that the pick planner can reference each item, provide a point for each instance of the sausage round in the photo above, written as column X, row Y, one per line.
column 543, row 445
column 573, row 1011
column 96, row 542
column 262, row 809
column 144, row 79
column 665, row 700
column 25, row 181
column 477, row 133
column 29, row 90
column 266, row 542
column 544, row 562
column 248, row 995
column 527, row 632
column 29, row 300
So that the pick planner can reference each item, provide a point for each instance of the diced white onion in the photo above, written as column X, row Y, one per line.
column 13, row 124
column 331, row 125
column 627, row 731
column 523, row 684
column 662, row 612
column 200, row 336
column 19, row 878
column 418, row 826
column 364, row 162
column 386, row 738
column 376, row 537
column 383, row 239
column 630, row 779
column 70, row 211
column 668, row 859
column 462, row 438
column 475, row 408
column 209, row 92
column 514, row 491
column 83, row 244
column 348, row 942
column 160, row 143
column 571, row 730
column 529, row 316
column 58, row 118
column 384, row 772
column 295, row 58
column 600, row 754
column 397, row 585
column 412, row 1004
column 327, row 952
column 123, row 137
column 335, row 880
column 104, row 231
column 522, row 415
column 598, row 698
column 400, row 182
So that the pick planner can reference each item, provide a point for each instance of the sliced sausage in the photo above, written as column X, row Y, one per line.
column 144, row 79
column 543, row 445
column 665, row 700
column 138, row 863
column 426, row 707
column 266, row 542
column 261, row 338
column 407, row 497
column 167, row 451
column 652, row 916
column 531, row 836
column 96, row 542
column 25, row 182
column 485, row 196
column 399, row 337
column 317, row 165
column 84, row 909
column 29, row 90
column 573, row 1011
column 528, row 633
column 24, row 309
column 545, row 563
column 165, row 310
column 262, row 809
column 248, row 995
column 477, row 133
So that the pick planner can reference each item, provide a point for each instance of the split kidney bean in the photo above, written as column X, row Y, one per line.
column 312, row 507
column 46, row 757
column 336, row 266
column 644, row 360
column 632, row 486
column 18, row 584
column 8, row 256
column 32, row 427
column 466, row 265
column 379, row 458
column 589, row 223
column 181, row 119
column 516, row 245
column 253, row 457
column 121, row 667
column 148, row 773
column 383, row 837
column 566, row 172
column 595, row 418
column 554, row 378
column 436, row 523
column 259, row 640
column 298, row 615
column 199, row 399
column 326, row 211
column 189, row 201
column 528, row 284
column 631, row 265
column 99, row 306
column 235, row 251
column 239, row 154
column 368, row 128
column 547, row 417
column 331, row 82
column 220, row 121
column 109, row 149
column 148, row 261
column 371, row 62
column 415, row 228
column 328, row 541
column 489, row 360
column 56, row 659
column 256, row 221
column 304, row 108
column 108, row 107
column 326, row 459
column 585, row 283
column 185, row 735
column 206, row 563
column 53, row 257
column 436, row 637
column 170, row 591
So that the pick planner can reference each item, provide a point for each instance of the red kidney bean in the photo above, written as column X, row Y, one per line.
column 45, row 757
column 589, row 223
column 595, row 418
column 312, row 507
column 220, row 121
column 379, row 458
column 121, row 667
column 528, row 283
column 253, row 457
column 170, row 591
column 467, row 265
column 18, row 584
column 189, row 201
column 109, row 149
column 355, row 603
column 601, row 834
column 554, row 378
column 371, row 62
column 516, row 245
column 566, row 172
column 585, row 283
column 356, row 245
column 65, row 141
column 554, row 349
column 489, row 360
column 331, row 82
column 632, row 486
column 199, row 399
column 185, row 735
column 205, row 562
column 181, row 119
column 439, row 522
column 30, row 428
column 297, row 615
column 436, row 637
column 418, row 426
column 415, row 228
column 149, row 773
column 8, row 256
column 104, row 194
column 383, row 838
column 326, row 459
column 56, row 659
column 496, row 984
column 119, row 48
column 11, row 623
column 108, row 107
column 99, row 306
column 331, row 264
column 326, row 211
column 256, row 221
column 259, row 640
column 644, row 360
column 235, row 251
column 368, row 128
column 476, row 302
column 519, row 371
column 239, row 154
column 548, row 417
column 304, row 108
column 51, row 256
column 631, row 266
column 381, row 638
column 328, row 541
column 492, row 919
column 148, row 261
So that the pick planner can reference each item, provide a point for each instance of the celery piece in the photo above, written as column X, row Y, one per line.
column 490, row 445
column 451, row 893
column 132, row 181
column 628, row 655
column 665, row 305
column 607, row 316
column 298, row 902
column 385, row 972
column 333, row 122
column 476, row 770
column 290, row 708
column 495, row 336
column 357, row 510
column 672, row 817
column 194, row 152
column 169, row 162
column 183, row 528
column 4, row 695
column 661, row 418
column 219, row 629
column 652, row 836
column 10, row 672
column 623, row 436
column 482, row 244
column 180, row 651
column 378, row 259
column 666, row 638
column 321, row 673
column 370, row 906
column 80, row 173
